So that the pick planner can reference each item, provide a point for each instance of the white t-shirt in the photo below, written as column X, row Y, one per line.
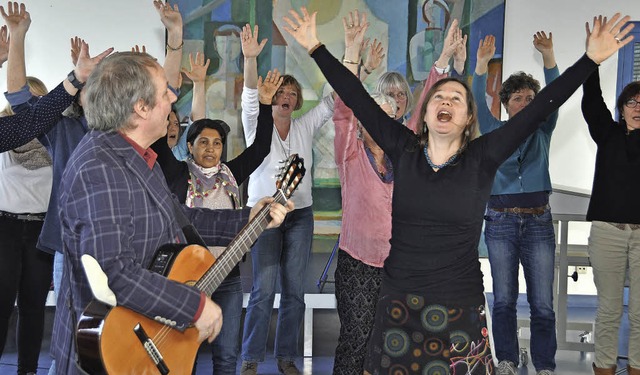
column 299, row 140
column 23, row 190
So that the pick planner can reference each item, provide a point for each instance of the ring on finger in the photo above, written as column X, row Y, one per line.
column 617, row 39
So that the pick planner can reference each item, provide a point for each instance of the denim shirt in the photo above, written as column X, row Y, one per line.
column 527, row 169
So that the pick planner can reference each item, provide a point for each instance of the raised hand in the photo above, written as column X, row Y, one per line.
column 449, row 45
column 86, row 63
column 198, row 72
column 136, row 49
column 486, row 50
column 4, row 45
column 16, row 17
column 460, row 51
column 169, row 16
column 302, row 27
column 374, row 56
column 76, row 45
column 267, row 88
column 543, row 43
column 250, row 46
column 606, row 37
column 354, row 29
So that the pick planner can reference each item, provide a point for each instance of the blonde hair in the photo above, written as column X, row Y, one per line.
column 36, row 88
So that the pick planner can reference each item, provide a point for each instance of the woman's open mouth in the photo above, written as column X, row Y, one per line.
column 444, row 116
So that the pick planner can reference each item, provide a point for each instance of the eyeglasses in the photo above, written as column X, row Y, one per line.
column 400, row 95
column 631, row 103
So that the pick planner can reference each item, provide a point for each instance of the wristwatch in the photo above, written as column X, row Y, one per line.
column 74, row 80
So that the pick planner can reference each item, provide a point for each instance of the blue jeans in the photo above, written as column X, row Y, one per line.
column 58, row 266
column 286, row 250
column 225, row 347
column 528, row 239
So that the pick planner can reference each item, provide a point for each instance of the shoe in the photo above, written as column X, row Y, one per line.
column 249, row 368
column 546, row 372
column 506, row 368
column 603, row 371
column 288, row 367
column 632, row 370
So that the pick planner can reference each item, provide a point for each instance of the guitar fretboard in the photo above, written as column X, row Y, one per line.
column 240, row 245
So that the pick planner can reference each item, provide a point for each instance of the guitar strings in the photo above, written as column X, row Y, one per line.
column 160, row 337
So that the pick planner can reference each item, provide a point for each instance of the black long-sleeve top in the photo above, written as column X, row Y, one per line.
column 437, row 216
column 616, row 182
column 176, row 172
column 22, row 127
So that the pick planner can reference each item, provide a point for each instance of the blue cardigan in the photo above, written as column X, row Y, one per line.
column 527, row 169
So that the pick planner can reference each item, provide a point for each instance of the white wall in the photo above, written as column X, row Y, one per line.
column 572, row 150
column 118, row 23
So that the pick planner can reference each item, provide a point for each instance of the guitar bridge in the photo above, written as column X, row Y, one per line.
column 151, row 349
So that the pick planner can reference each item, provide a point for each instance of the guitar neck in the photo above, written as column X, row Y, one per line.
column 240, row 245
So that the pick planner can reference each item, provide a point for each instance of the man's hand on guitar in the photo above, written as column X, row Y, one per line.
column 276, row 211
column 210, row 321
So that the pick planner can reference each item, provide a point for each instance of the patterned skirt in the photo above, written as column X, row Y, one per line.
column 413, row 336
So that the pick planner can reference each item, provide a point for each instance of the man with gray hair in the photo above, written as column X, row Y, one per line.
column 115, row 206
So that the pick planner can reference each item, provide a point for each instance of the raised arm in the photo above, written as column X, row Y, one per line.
column 355, row 26
column 4, row 45
column 197, row 75
column 21, row 128
column 452, row 41
column 251, row 158
column 251, row 49
column 544, row 45
column 172, row 21
column 386, row 132
column 594, row 109
column 486, row 51
column 250, row 102
column 605, row 39
column 373, row 59
column 460, row 52
column 18, row 21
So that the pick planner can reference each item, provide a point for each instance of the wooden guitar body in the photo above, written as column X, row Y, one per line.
column 111, row 331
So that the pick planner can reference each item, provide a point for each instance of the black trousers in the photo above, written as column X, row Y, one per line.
column 25, row 272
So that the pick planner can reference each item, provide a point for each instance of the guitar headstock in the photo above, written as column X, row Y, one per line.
column 291, row 175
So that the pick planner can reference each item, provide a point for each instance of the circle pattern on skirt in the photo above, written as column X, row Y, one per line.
column 434, row 318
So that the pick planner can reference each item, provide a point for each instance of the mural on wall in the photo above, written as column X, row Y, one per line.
column 411, row 46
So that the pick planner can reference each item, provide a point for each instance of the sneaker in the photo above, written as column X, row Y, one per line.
column 288, row 367
column 546, row 372
column 249, row 368
column 506, row 368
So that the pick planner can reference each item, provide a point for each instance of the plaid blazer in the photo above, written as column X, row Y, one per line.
column 113, row 207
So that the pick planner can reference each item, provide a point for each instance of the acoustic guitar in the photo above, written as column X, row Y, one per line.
column 117, row 340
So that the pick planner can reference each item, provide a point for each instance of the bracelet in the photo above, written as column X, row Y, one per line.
column 314, row 48
column 347, row 61
column 366, row 70
column 177, row 48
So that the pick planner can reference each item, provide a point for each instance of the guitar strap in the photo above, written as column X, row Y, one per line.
column 190, row 231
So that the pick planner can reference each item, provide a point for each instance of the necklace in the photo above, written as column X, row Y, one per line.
column 286, row 152
column 439, row 166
